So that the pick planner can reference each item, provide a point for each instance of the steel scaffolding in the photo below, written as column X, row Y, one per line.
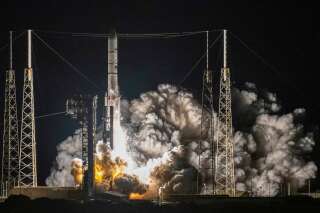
column 224, row 162
column 10, row 152
column 27, row 155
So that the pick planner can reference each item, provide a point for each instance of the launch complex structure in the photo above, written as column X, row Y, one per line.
column 19, row 164
column 19, row 154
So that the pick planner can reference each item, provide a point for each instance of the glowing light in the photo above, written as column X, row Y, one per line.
column 136, row 196
column 110, row 165
column 78, row 179
column 117, row 170
column 77, row 171
column 99, row 173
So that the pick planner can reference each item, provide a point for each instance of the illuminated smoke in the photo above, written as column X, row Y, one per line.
column 160, row 135
column 161, row 125
column 67, row 150
column 270, row 148
column 109, row 173
column 76, row 171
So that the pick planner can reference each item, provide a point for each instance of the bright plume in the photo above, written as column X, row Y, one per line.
column 158, row 146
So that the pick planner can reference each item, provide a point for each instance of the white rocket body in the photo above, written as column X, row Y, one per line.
column 112, row 98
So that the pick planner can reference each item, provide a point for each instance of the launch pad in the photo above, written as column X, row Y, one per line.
column 71, row 193
column 65, row 193
column 192, row 204
column 221, row 150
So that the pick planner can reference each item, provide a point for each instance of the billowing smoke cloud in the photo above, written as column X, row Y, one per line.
column 269, row 148
column 67, row 150
column 175, row 175
column 110, row 173
column 163, row 129
column 162, row 125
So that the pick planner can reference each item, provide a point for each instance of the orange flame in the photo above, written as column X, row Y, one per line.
column 117, row 171
column 106, row 171
column 136, row 196
column 99, row 173
column 78, row 178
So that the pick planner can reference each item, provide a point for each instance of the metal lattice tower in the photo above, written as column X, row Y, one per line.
column 206, row 163
column 84, row 144
column 224, row 163
column 28, row 151
column 77, row 108
column 83, row 108
column 10, row 152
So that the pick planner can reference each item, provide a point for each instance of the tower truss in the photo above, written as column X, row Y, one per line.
column 10, row 152
column 27, row 156
column 205, row 158
column 224, row 162
column 83, row 108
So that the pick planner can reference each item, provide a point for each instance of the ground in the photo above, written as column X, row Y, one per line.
column 16, row 204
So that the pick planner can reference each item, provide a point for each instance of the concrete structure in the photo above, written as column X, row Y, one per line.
column 48, row 192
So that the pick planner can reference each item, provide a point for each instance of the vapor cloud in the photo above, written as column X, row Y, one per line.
column 162, row 130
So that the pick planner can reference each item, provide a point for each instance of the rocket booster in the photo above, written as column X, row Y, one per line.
column 112, row 97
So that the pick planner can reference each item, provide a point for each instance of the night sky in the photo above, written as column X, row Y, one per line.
column 283, row 34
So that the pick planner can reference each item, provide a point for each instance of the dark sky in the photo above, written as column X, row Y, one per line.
column 283, row 33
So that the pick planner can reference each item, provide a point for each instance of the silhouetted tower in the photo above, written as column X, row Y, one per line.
column 206, row 160
column 224, row 163
column 28, row 151
column 10, row 152
column 84, row 109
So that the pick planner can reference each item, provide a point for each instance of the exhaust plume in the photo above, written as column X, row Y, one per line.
column 160, row 135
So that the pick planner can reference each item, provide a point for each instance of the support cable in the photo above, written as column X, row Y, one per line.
column 130, row 35
column 199, row 60
column 50, row 114
column 272, row 67
column 46, row 115
column 16, row 38
column 66, row 61
column 264, row 61
column 160, row 35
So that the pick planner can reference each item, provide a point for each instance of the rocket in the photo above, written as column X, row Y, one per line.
column 112, row 96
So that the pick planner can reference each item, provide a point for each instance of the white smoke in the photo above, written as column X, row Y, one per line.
column 269, row 148
column 67, row 150
column 163, row 134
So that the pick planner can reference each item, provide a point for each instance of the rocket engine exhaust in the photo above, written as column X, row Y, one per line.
column 156, row 145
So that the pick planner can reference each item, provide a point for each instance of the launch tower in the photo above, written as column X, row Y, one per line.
column 206, row 164
column 10, row 152
column 224, row 163
column 28, row 152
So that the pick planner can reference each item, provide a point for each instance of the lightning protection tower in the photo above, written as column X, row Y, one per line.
column 28, row 151
column 10, row 152
column 205, row 158
column 224, row 163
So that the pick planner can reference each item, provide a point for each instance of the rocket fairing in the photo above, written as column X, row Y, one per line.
column 112, row 97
